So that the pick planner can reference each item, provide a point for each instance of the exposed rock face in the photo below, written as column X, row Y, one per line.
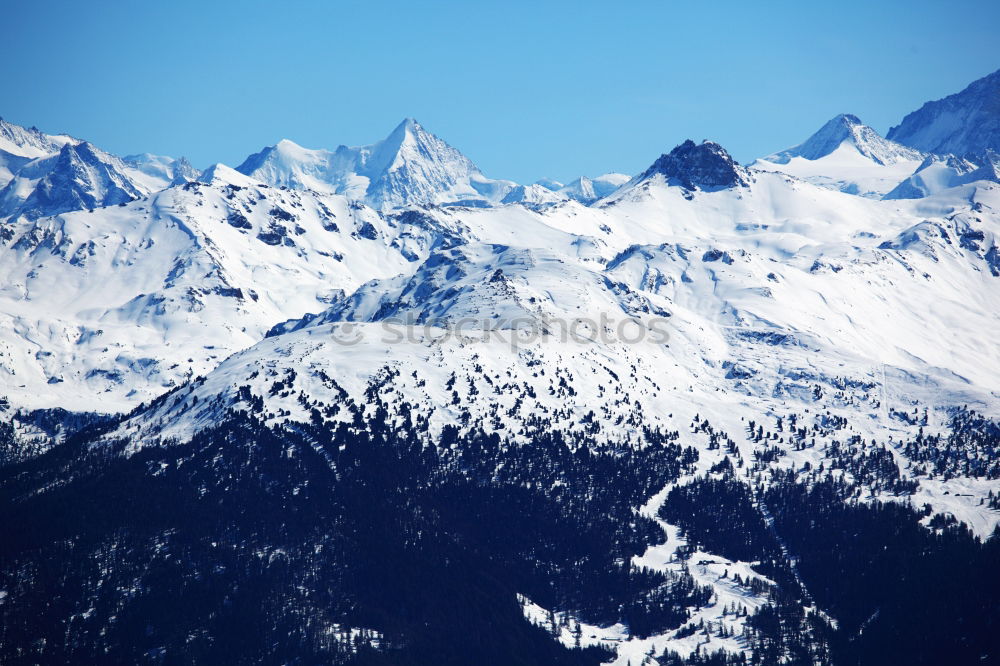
column 705, row 166
column 78, row 177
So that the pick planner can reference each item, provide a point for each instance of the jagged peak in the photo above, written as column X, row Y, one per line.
column 989, row 166
column 79, row 176
column 162, row 170
column 959, row 164
column 82, row 148
column 67, row 154
column 30, row 141
column 286, row 150
column 704, row 166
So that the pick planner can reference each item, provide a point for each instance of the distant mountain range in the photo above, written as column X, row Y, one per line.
column 49, row 174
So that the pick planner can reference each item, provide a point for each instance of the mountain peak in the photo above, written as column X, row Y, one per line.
column 79, row 176
column 159, row 171
column 409, row 131
column 967, row 122
column 409, row 166
column 588, row 190
column 409, row 124
column 842, row 129
column 704, row 166
column 412, row 165
column 30, row 141
column 219, row 172
column 550, row 183
column 287, row 144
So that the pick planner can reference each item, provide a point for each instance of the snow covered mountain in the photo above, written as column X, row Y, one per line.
column 19, row 145
column 703, row 298
column 30, row 142
column 409, row 166
column 849, row 156
column 584, row 190
column 79, row 177
column 155, row 172
column 706, row 166
column 937, row 173
column 101, row 310
column 884, row 291
column 847, row 129
column 657, row 249
column 311, row 410
column 588, row 190
column 967, row 122
column 533, row 195
column 44, row 174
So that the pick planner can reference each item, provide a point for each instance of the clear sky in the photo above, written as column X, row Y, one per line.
column 525, row 89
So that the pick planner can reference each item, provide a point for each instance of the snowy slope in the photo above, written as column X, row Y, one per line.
column 937, row 173
column 409, row 166
column 861, row 274
column 101, row 310
column 846, row 155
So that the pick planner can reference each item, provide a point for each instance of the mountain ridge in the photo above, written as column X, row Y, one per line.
column 966, row 122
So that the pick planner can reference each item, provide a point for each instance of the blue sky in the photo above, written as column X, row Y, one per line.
column 525, row 89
